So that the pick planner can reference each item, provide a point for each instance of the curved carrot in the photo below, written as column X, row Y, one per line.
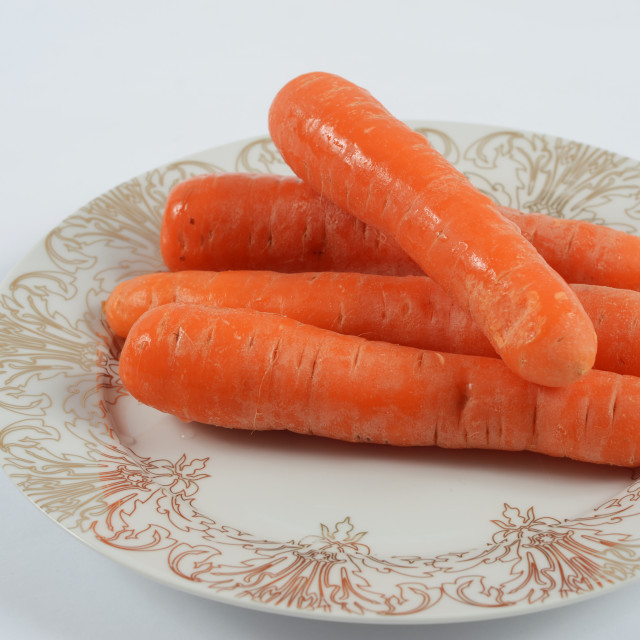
column 412, row 310
column 247, row 369
column 226, row 221
column 349, row 148
column 283, row 225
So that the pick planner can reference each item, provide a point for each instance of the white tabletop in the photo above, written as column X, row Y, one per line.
column 95, row 93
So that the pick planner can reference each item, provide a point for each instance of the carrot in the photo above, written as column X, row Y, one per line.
column 348, row 147
column 581, row 251
column 247, row 369
column 226, row 221
column 412, row 310
column 615, row 314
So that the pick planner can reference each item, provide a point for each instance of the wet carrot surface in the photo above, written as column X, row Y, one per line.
column 345, row 145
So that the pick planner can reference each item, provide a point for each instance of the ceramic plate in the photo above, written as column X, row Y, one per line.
column 293, row 524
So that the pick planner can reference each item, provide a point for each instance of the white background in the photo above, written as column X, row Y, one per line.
column 92, row 94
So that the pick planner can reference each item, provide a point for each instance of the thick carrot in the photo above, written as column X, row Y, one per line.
column 349, row 148
column 247, row 369
column 250, row 221
column 412, row 310
column 225, row 221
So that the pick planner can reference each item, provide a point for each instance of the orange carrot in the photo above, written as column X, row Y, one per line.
column 412, row 310
column 615, row 314
column 247, row 369
column 226, row 221
column 348, row 147
column 581, row 251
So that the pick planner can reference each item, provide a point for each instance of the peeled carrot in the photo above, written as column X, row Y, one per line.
column 348, row 147
column 247, row 369
column 227, row 221
column 412, row 310
column 251, row 221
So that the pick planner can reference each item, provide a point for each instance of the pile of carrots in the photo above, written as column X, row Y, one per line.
column 379, row 297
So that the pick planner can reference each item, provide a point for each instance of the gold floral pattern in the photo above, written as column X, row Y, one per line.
column 60, row 388
column 554, row 176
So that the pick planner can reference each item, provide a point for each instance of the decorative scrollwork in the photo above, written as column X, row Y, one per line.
column 59, row 385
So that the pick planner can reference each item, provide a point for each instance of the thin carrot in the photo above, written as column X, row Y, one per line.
column 348, row 147
column 226, row 221
column 247, row 369
column 411, row 310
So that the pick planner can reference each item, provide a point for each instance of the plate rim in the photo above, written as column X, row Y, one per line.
column 427, row 616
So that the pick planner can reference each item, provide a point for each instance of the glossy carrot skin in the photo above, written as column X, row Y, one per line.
column 411, row 310
column 246, row 369
column 252, row 221
column 281, row 224
column 345, row 145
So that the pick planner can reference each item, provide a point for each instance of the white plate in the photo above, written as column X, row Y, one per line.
column 293, row 524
